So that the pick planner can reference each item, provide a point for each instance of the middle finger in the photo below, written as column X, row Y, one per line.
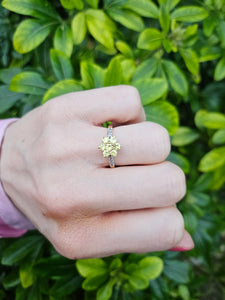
column 138, row 187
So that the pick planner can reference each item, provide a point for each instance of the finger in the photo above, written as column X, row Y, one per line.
column 119, row 104
column 120, row 232
column 142, row 231
column 137, row 187
column 142, row 143
column 185, row 244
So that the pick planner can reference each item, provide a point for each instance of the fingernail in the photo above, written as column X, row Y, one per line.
column 180, row 249
column 185, row 244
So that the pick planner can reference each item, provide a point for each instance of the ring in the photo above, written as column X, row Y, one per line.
column 109, row 147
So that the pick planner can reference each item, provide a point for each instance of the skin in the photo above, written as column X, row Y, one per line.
column 53, row 171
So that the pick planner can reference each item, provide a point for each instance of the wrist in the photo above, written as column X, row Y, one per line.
column 9, row 213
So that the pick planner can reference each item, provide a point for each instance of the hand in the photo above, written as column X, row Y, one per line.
column 55, row 174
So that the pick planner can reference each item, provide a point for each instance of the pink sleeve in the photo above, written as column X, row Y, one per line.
column 12, row 222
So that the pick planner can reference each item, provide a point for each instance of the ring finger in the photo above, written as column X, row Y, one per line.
column 141, row 144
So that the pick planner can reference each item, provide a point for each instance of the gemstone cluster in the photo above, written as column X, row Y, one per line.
column 109, row 146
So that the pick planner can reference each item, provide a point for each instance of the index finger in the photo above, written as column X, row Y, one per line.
column 119, row 104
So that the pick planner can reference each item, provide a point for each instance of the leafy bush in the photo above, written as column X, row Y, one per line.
column 174, row 53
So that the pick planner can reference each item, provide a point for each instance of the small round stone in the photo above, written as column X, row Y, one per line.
column 113, row 153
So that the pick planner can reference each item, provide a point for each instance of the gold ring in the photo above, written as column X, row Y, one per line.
column 109, row 147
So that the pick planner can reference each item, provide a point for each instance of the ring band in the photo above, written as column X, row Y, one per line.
column 109, row 147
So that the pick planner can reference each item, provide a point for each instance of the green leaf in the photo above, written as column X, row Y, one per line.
column 116, row 264
column 26, row 275
column 90, row 267
column 36, row 8
column 163, row 113
column 150, row 39
column 212, row 160
column 176, row 77
column 145, row 8
column 113, row 75
column 205, row 181
column 176, row 270
column 151, row 89
column 183, row 291
column 128, row 68
column 172, row 3
column 209, row 53
column 211, row 120
column 138, row 282
column 184, row 136
column 61, row 65
column 54, row 266
column 11, row 280
column 6, row 75
column 34, row 293
column 62, row 87
column 160, row 288
column 97, row 20
column 191, row 60
column 79, row 28
column 179, row 160
column 105, row 292
column 63, row 39
column 65, row 286
column 189, row 14
column 92, row 75
column 219, row 137
column 124, row 48
column 20, row 249
column 29, row 83
column 30, row 34
column 209, row 24
column 219, row 73
column 218, row 178
column 190, row 219
column 93, row 3
column 221, row 31
column 7, row 98
column 190, row 31
column 72, row 4
column 126, row 18
column 198, row 198
column 146, row 69
column 94, row 282
column 164, row 18
column 150, row 267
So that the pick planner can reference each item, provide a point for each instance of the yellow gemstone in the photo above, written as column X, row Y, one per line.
column 108, row 148
column 117, row 146
column 113, row 153
column 113, row 140
column 105, row 153
column 105, row 140
column 101, row 147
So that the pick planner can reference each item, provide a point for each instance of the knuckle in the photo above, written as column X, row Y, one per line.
column 64, row 247
column 160, row 141
column 133, row 100
column 165, row 145
column 136, row 100
column 50, row 198
column 50, row 144
column 174, row 229
column 74, row 246
column 51, row 111
column 176, row 183
column 48, row 147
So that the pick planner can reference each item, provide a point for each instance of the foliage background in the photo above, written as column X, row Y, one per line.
column 174, row 53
